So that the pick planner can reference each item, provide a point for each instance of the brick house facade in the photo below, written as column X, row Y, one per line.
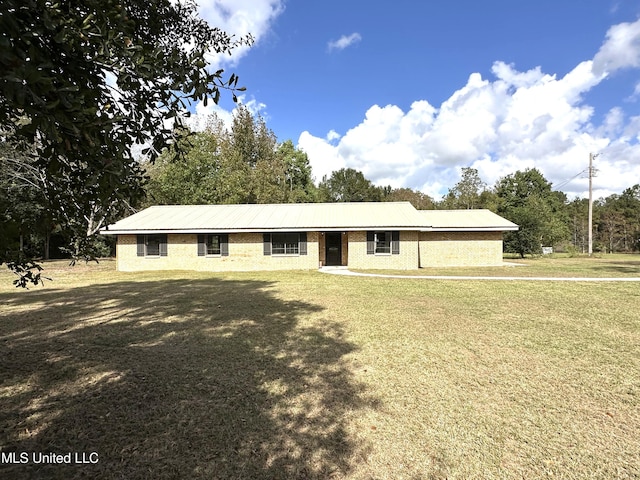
column 391, row 236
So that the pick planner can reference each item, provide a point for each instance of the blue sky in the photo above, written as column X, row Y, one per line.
column 411, row 92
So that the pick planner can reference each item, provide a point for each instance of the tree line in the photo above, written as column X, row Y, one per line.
column 83, row 83
column 245, row 163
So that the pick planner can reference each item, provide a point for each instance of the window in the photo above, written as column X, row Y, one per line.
column 285, row 243
column 383, row 243
column 213, row 245
column 152, row 245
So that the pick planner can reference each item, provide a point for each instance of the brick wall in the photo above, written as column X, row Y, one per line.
column 426, row 249
column 322, row 250
column 458, row 249
column 406, row 260
column 344, row 259
column 245, row 254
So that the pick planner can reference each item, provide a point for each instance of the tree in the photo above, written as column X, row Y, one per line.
column 577, row 214
column 21, row 211
column 252, row 146
column 421, row 201
column 466, row 194
column 298, row 178
column 489, row 200
column 190, row 179
column 611, row 225
column 526, row 198
column 82, row 82
column 243, row 164
column 618, row 221
column 630, row 208
column 348, row 185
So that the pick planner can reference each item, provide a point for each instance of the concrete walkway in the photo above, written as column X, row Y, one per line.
column 345, row 271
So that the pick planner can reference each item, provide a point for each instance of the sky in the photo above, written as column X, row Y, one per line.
column 411, row 92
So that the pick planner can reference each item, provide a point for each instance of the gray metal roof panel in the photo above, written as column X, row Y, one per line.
column 305, row 216
column 467, row 220
column 263, row 217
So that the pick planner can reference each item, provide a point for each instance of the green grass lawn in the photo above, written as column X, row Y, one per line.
column 557, row 265
column 277, row 375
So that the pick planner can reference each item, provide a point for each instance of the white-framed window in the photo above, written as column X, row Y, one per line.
column 285, row 243
column 213, row 245
column 152, row 245
column 383, row 242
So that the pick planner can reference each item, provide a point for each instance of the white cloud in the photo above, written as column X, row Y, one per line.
column 344, row 42
column 332, row 136
column 239, row 18
column 613, row 123
column 198, row 120
column 326, row 157
column 635, row 95
column 514, row 121
column 621, row 49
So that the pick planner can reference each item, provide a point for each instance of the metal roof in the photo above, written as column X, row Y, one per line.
column 302, row 217
column 466, row 220
column 270, row 217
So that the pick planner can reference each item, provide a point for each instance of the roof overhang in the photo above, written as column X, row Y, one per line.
column 262, row 230
column 339, row 217
column 472, row 229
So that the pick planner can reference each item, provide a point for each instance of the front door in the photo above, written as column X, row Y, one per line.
column 333, row 244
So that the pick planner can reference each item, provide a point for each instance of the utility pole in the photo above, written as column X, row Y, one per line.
column 591, row 175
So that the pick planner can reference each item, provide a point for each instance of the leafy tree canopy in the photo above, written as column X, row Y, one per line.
column 348, row 185
column 526, row 198
column 466, row 194
column 241, row 164
column 419, row 200
column 83, row 81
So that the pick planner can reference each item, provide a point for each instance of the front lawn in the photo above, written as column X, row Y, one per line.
column 557, row 265
column 307, row 375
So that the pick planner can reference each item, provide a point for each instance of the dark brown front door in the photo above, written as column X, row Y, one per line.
column 333, row 244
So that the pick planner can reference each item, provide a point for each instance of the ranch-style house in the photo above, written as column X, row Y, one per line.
column 381, row 235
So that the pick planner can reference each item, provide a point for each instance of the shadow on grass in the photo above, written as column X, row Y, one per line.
column 627, row 268
column 175, row 379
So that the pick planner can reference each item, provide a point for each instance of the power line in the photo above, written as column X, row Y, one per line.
column 569, row 180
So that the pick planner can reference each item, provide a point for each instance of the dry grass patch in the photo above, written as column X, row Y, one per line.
column 306, row 375
column 500, row 380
